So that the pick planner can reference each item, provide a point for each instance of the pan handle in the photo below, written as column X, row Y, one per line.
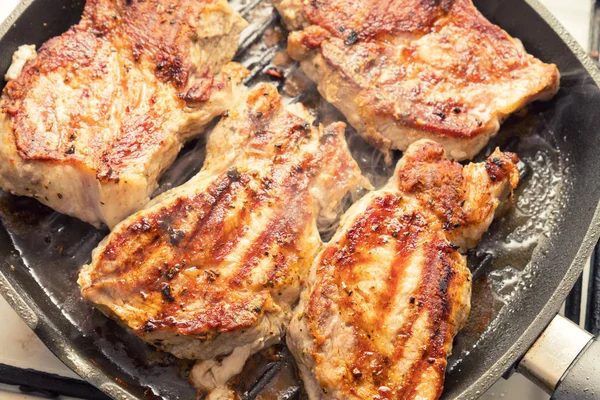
column 564, row 361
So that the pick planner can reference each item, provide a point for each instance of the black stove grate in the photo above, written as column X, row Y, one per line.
column 595, row 32
column 47, row 385
column 574, row 302
column 592, row 317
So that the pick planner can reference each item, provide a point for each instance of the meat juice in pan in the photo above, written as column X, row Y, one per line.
column 57, row 246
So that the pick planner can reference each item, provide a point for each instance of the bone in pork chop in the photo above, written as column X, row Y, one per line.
column 211, row 269
column 403, row 70
column 90, row 124
column 387, row 295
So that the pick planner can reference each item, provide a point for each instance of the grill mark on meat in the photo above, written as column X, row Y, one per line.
column 435, row 280
column 287, row 236
column 156, row 226
column 278, row 227
column 405, row 247
column 284, row 223
column 360, row 238
column 228, row 240
column 283, row 229
column 212, row 215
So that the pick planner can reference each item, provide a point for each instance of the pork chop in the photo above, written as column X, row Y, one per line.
column 387, row 295
column 211, row 269
column 403, row 70
column 93, row 120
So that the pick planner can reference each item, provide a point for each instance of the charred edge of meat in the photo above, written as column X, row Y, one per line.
column 495, row 166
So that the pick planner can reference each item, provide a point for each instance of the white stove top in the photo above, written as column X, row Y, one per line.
column 21, row 348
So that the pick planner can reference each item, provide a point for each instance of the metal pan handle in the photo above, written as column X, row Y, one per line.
column 564, row 361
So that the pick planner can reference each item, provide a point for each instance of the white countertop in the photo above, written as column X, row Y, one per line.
column 21, row 348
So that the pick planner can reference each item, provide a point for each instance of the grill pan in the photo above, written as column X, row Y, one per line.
column 516, row 293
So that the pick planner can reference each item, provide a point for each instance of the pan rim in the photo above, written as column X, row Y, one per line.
column 52, row 337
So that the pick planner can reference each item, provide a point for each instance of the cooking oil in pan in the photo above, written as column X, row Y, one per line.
column 520, row 235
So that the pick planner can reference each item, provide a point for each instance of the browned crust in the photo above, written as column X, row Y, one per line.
column 372, row 20
column 355, row 41
column 74, row 51
column 151, row 35
column 500, row 165
column 436, row 182
column 156, row 32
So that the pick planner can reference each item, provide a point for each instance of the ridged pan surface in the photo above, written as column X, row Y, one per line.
column 524, row 266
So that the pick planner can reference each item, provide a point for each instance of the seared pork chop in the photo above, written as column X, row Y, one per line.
column 403, row 70
column 211, row 269
column 90, row 124
column 387, row 295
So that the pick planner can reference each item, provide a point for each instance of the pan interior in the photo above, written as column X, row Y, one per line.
column 520, row 263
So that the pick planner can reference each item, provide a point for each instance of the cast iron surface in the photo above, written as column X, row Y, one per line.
column 41, row 251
